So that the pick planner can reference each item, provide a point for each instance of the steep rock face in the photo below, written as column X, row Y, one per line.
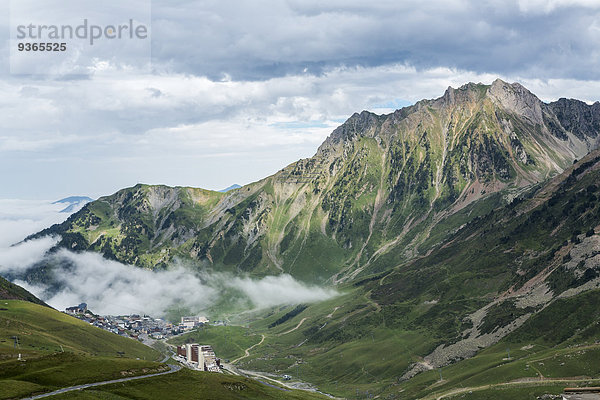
column 370, row 197
column 518, row 100
column 577, row 117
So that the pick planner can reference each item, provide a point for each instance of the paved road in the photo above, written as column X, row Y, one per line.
column 273, row 386
column 172, row 368
column 295, row 386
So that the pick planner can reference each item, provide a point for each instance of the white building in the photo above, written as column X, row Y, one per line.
column 196, row 319
column 188, row 323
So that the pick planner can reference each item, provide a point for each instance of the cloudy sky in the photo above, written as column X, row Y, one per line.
column 238, row 89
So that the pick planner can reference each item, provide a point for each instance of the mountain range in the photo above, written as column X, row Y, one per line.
column 454, row 229
column 377, row 187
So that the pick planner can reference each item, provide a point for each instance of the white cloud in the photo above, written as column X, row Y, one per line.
column 275, row 290
column 239, row 91
column 20, row 257
column 125, row 133
column 547, row 6
column 20, row 218
column 110, row 287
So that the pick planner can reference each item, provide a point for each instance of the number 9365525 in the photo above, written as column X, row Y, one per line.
column 42, row 46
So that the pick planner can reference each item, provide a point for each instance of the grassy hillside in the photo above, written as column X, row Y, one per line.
column 54, row 371
column 93, row 355
column 547, row 350
column 42, row 330
column 58, row 350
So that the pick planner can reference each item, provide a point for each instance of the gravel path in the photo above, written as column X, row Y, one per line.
column 247, row 351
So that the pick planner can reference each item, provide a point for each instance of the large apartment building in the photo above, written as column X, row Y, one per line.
column 201, row 355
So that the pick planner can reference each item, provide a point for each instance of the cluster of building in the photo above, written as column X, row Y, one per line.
column 201, row 357
column 80, row 309
column 126, row 325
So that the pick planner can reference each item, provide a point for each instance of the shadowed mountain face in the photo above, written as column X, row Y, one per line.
column 380, row 190
column 10, row 291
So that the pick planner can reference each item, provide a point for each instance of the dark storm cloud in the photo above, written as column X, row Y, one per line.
column 263, row 39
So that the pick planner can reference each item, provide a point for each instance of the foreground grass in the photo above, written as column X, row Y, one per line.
column 509, row 393
column 58, row 351
column 55, row 371
column 10, row 389
column 187, row 384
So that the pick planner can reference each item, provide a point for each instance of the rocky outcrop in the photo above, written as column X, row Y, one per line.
column 577, row 117
column 518, row 100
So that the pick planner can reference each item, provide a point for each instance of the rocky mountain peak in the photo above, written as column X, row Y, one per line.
column 578, row 118
column 516, row 98
column 512, row 97
column 468, row 92
column 359, row 124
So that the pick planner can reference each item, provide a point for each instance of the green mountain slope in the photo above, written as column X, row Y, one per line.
column 43, row 330
column 378, row 187
column 57, row 350
column 525, row 276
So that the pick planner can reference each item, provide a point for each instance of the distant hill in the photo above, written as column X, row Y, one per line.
column 74, row 199
column 234, row 186
column 74, row 203
column 10, row 291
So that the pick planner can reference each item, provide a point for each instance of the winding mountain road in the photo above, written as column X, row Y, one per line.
column 293, row 329
column 247, row 351
column 520, row 382
column 172, row 368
